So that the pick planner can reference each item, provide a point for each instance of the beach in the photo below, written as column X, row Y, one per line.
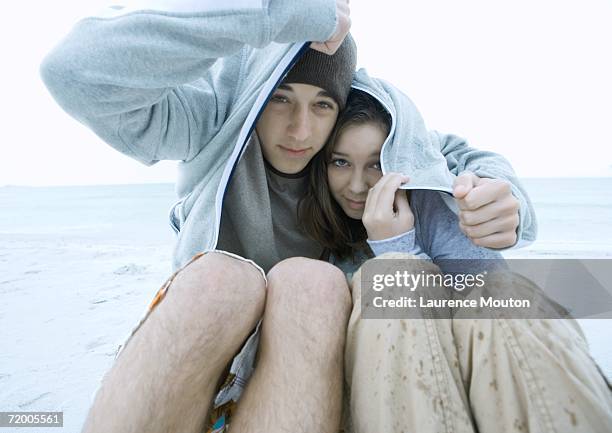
column 78, row 266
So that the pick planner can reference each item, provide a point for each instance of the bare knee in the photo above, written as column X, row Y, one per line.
column 232, row 289
column 318, row 287
column 216, row 270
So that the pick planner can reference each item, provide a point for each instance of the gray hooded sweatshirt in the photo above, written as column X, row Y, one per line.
column 185, row 80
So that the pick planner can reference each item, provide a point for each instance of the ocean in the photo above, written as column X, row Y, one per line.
column 79, row 264
column 574, row 215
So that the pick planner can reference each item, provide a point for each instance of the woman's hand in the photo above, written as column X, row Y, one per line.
column 387, row 212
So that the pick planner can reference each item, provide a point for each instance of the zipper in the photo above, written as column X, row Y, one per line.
column 280, row 71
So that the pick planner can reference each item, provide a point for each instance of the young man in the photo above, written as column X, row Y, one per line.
column 189, row 82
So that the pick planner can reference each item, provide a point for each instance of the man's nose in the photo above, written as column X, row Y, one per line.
column 300, row 127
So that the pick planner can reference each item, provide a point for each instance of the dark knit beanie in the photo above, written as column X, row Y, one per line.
column 332, row 73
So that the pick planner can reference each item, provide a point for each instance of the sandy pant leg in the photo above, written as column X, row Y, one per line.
column 531, row 375
column 402, row 375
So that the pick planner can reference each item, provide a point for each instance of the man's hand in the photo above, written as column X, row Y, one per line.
column 387, row 212
column 343, row 26
column 488, row 212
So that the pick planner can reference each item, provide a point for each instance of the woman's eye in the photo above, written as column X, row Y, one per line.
column 339, row 162
column 376, row 166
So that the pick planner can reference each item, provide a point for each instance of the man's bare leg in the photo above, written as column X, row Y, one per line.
column 297, row 384
column 165, row 378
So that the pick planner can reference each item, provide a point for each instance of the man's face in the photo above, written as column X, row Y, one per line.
column 295, row 125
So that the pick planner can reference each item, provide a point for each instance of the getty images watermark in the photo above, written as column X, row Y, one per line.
column 411, row 281
column 545, row 289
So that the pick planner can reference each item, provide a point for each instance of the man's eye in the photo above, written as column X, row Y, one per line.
column 325, row 105
column 376, row 166
column 339, row 162
column 279, row 98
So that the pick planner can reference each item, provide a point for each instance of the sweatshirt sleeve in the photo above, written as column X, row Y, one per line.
column 157, row 81
column 461, row 157
column 403, row 243
column 441, row 238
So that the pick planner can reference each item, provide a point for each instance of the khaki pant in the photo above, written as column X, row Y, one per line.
column 465, row 375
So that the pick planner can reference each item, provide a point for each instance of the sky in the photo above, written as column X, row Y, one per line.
column 527, row 79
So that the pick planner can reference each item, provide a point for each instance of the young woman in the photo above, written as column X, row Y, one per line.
column 428, row 374
column 356, row 212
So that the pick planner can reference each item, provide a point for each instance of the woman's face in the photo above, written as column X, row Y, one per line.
column 354, row 167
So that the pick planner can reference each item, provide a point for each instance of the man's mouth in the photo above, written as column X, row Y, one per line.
column 294, row 152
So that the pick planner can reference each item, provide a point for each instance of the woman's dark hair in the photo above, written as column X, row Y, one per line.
column 319, row 214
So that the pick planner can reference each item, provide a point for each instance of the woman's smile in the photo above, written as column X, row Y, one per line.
column 355, row 204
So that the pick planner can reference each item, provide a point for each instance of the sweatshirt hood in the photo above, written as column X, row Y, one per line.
column 409, row 148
